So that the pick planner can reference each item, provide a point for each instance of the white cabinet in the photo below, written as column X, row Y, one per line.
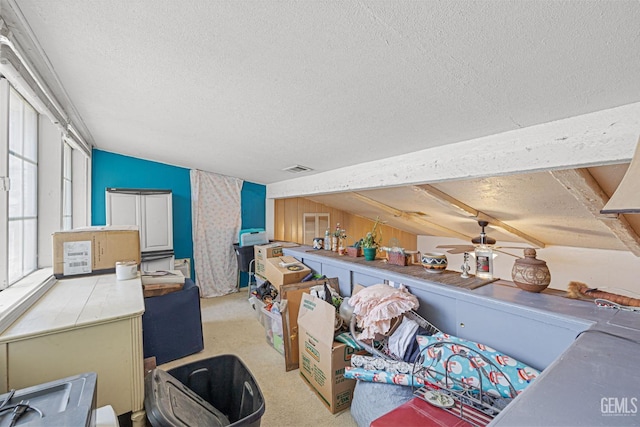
column 87, row 324
column 161, row 264
column 150, row 210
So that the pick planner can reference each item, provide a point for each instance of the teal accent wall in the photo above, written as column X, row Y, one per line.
column 116, row 170
column 253, row 212
column 253, row 205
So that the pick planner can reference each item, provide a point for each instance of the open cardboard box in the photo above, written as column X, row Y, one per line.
column 323, row 360
column 278, row 275
column 293, row 295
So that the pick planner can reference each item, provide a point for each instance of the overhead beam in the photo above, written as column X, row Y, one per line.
column 408, row 216
column 583, row 186
column 451, row 202
column 599, row 138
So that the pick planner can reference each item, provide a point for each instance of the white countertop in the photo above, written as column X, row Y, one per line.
column 78, row 302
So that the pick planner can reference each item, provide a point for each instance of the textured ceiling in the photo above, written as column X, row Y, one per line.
column 248, row 88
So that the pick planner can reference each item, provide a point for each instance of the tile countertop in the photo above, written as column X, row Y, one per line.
column 77, row 302
column 594, row 382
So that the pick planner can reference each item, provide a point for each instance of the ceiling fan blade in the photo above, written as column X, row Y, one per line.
column 457, row 249
column 507, row 253
column 517, row 247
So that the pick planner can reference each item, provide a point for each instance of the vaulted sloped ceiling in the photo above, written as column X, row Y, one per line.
column 534, row 209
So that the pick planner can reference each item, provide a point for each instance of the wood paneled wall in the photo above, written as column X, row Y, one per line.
column 289, row 225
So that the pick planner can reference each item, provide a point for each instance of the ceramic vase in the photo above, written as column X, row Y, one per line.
column 434, row 262
column 529, row 273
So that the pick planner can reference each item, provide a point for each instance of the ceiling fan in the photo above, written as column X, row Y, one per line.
column 478, row 240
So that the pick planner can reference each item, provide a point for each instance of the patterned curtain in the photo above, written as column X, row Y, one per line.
column 216, row 216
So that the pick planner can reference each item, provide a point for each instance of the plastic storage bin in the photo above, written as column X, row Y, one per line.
column 219, row 391
column 257, row 306
column 273, row 329
column 69, row 401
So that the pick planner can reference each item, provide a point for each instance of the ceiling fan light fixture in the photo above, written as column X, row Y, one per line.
column 483, row 239
column 487, row 240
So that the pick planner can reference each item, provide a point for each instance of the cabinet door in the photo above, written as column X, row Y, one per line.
column 365, row 279
column 343, row 275
column 156, row 230
column 112, row 350
column 533, row 338
column 122, row 209
column 315, row 266
column 437, row 309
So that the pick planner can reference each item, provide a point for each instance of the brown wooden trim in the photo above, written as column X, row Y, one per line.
column 451, row 202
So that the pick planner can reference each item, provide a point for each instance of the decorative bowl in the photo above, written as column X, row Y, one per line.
column 434, row 262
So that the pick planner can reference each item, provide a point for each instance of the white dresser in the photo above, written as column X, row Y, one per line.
column 88, row 324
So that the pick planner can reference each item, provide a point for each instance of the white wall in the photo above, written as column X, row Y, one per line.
column 81, row 176
column 596, row 267
column 50, row 160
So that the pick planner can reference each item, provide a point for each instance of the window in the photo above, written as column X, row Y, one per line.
column 23, row 188
column 315, row 225
column 67, row 188
column 39, row 196
column 40, row 155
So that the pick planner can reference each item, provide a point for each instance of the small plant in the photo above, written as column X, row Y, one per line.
column 373, row 237
column 340, row 233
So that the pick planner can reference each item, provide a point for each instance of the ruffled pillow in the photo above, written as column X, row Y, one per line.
column 377, row 305
column 467, row 366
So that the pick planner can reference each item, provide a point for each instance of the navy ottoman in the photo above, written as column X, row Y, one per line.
column 172, row 324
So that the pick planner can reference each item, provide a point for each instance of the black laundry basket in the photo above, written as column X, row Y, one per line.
column 222, row 382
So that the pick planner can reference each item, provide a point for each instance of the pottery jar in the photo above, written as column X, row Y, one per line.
column 529, row 273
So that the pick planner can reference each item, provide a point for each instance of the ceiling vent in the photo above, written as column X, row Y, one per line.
column 297, row 169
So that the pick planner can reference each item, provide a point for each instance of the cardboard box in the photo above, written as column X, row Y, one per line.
column 322, row 360
column 262, row 252
column 294, row 271
column 292, row 294
column 94, row 250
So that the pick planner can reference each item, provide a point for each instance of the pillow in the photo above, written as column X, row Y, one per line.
column 440, row 348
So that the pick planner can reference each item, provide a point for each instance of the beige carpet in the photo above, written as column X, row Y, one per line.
column 230, row 326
